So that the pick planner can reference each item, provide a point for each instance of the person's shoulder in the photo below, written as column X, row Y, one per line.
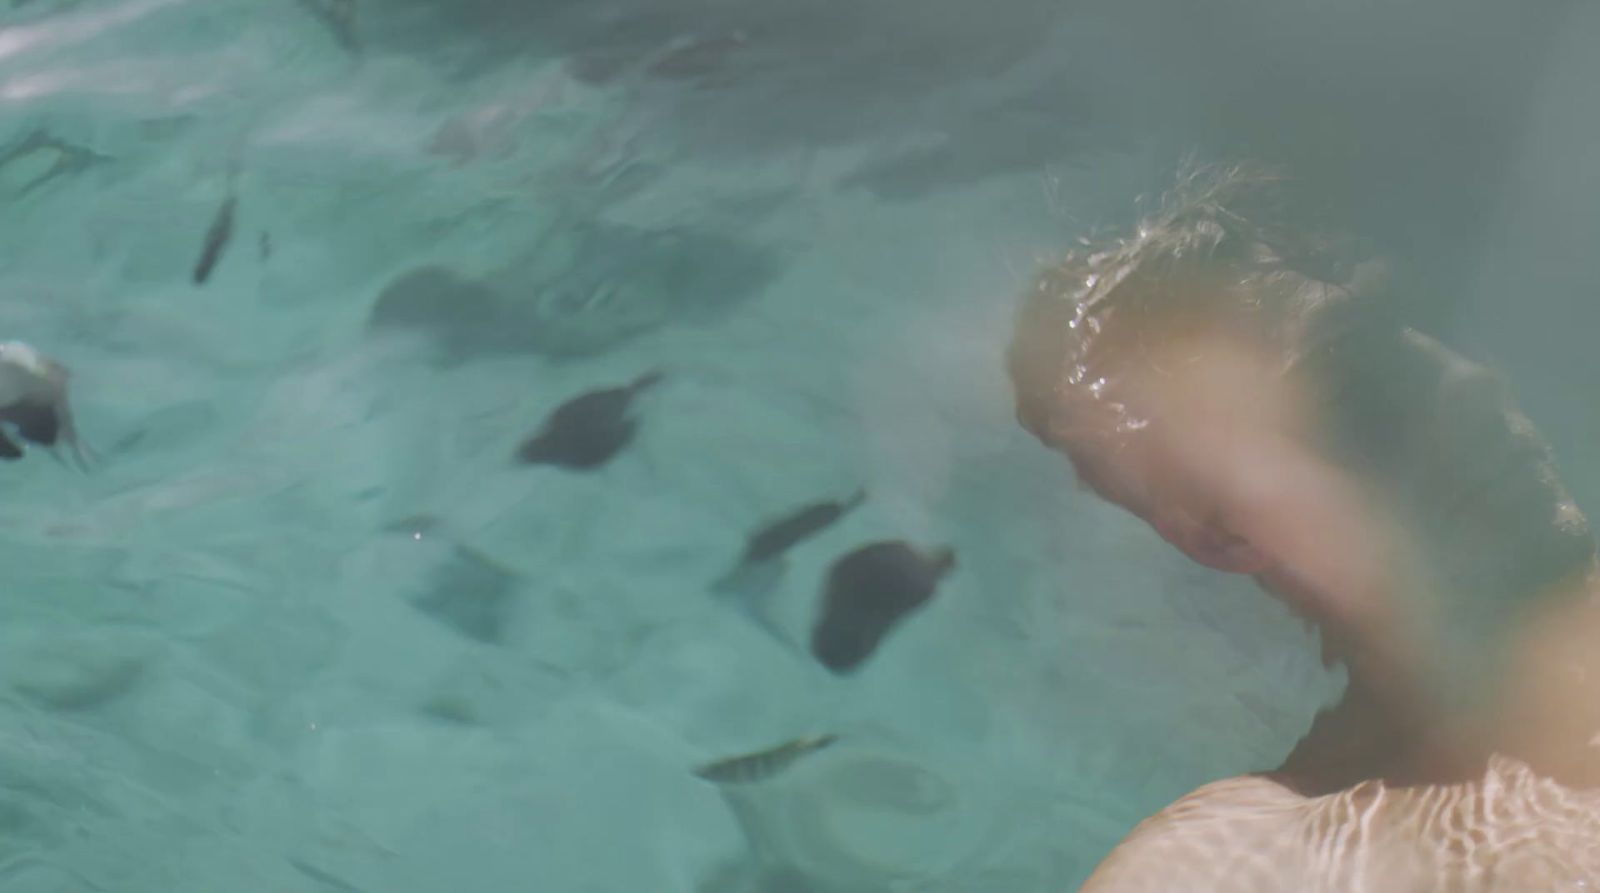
column 1213, row 839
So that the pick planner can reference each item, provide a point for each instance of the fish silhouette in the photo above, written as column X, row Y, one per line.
column 868, row 593
column 768, row 544
column 217, row 238
column 587, row 431
column 786, row 532
column 763, row 764
column 751, row 583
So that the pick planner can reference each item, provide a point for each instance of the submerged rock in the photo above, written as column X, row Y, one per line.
column 779, row 535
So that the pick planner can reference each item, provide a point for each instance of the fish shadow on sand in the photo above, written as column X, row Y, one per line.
column 580, row 292
column 471, row 595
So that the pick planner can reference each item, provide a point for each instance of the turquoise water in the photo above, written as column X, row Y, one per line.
column 307, row 627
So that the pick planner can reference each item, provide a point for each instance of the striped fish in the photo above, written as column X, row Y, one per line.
column 764, row 764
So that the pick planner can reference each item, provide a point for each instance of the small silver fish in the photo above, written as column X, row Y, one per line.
column 764, row 764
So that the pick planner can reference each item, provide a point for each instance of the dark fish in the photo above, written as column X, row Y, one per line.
column 217, row 238
column 754, row 578
column 588, row 430
column 870, row 591
column 265, row 245
column 789, row 531
column 762, row 765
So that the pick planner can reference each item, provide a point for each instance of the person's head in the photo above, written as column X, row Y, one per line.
column 1200, row 319
column 1230, row 382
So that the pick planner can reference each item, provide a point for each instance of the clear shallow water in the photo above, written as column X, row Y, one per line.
column 217, row 668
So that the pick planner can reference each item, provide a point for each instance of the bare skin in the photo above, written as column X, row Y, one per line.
column 1217, row 467
column 1507, row 831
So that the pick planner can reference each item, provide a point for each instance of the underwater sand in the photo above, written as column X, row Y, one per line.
column 216, row 665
